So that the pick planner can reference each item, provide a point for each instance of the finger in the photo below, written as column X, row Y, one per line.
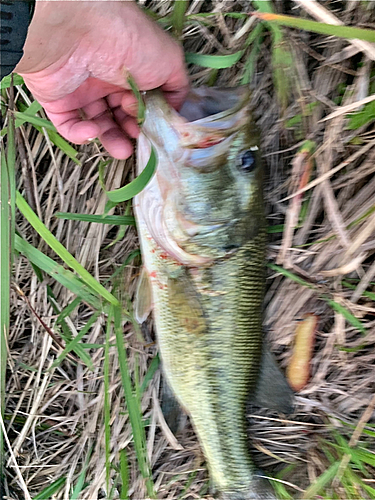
column 176, row 89
column 71, row 126
column 89, row 91
column 130, row 126
column 176, row 98
column 114, row 99
column 116, row 143
column 177, row 85
column 112, row 137
column 127, row 123
column 78, row 131
column 129, row 103
column 95, row 109
column 110, row 134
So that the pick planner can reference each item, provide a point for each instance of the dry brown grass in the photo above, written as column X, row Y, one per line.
column 54, row 419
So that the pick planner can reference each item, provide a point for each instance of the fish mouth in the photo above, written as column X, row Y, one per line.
column 202, row 103
column 210, row 116
column 207, row 117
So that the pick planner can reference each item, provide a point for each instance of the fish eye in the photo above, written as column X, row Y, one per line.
column 247, row 160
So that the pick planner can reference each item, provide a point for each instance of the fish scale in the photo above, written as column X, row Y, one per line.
column 208, row 316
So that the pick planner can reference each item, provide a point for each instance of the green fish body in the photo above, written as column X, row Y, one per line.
column 202, row 234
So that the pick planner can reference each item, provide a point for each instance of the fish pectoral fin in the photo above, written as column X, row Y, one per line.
column 173, row 413
column 143, row 297
column 272, row 390
column 185, row 305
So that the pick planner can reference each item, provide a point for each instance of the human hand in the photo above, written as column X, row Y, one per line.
column 77, row 57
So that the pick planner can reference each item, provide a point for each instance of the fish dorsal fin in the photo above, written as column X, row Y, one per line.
column 272, row 390
column 184, row 302
column 143, row 298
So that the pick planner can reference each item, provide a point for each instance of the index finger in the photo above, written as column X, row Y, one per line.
column 176, row 87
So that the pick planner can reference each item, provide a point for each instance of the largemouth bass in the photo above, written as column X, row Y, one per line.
column 202, row 233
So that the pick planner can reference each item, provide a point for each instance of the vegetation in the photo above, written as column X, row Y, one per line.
column 79, row 382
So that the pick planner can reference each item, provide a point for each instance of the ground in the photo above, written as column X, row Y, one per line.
column 320, row 257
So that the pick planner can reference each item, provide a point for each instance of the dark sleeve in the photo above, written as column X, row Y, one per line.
column 15, row 18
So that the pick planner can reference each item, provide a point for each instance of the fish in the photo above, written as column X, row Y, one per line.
column 202, row 233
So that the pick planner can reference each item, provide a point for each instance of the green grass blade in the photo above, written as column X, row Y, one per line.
column 290, row 275
column 58, row 272
column 51, row 489
column 63, row 145
column 66, row 333
column 73, row 344
column 32, row 109
column 134, row 187
column 107, row 403
column 282, row 60
column 81, row 478
column 29, row 111
column 7, row 221
column 120, row 235
column 321, row 481
column 369, row 489
column 332, row 303
column 6, row 82
column 61, row 251
column 203, row 15
column 366, row 456
column 350, row 318
column 189, row 481
column 256, row 38
column 118, row 220
column 347, row 32
column 5, row 240
column 178, row 16
column 29, row 114
column 64, row 313
column 4, row 284
column 138, row 95
column 361, row 118
column 281, row 491
column 35, row 120
column 152, row 369
column 345, row 448
column 11, row 166
column 213, row 61
column 129, row 258
column 124, row 474
column 135, row 415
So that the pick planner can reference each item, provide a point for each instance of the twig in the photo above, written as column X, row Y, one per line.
column 13, row 458
column 342, row 110
column 333, row 171
column 50, row 332
column 363, row 284
column 366, row 232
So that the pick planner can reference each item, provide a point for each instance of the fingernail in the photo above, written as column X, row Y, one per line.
column 91, row 138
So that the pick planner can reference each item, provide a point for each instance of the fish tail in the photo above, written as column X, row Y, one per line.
column 260, row 489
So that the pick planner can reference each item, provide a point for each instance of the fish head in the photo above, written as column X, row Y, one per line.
column 206, row 195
